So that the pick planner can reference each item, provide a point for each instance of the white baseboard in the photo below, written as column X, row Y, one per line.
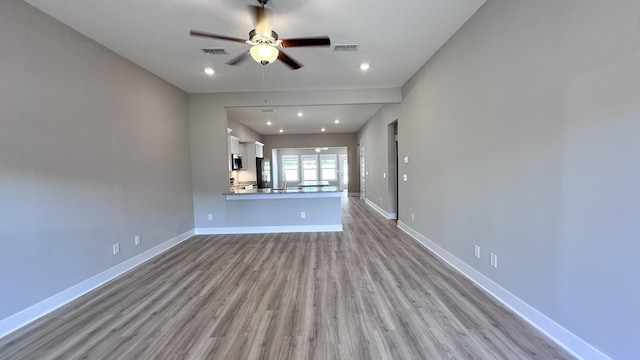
column 563, row 337
column 387, row 215
column 28, row 315
column 268, row 229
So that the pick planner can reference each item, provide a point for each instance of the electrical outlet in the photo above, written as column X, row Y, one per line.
column 136, row 240
column 413, row 218
column 210, row 217
column 116, row 248
column 476, row 251
column 494, row 260
column 380, row 201
column 303, row 215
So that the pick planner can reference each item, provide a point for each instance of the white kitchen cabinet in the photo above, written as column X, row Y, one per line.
column 234, row 144
column 259, row 149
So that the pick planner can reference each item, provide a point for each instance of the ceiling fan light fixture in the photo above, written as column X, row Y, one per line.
column 264, row 54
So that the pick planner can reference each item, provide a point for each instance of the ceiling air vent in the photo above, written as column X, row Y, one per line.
column 219, row 51
column 346, row 47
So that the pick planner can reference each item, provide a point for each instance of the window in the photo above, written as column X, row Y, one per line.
column 290, row 166
column 309, row 167
column 329, row 165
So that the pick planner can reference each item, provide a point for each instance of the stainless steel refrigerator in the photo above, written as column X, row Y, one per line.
column 263, row 173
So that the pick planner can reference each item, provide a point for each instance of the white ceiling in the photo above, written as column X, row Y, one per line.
column 395, row 37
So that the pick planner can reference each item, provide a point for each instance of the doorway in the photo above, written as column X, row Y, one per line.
column 343, row 166
column 392, row 165
column 361, row 150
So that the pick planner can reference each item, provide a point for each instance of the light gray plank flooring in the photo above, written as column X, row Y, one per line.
column 370, row 292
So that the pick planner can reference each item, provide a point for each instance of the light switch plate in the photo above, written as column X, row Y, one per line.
column 406, row 159
column 405, row 177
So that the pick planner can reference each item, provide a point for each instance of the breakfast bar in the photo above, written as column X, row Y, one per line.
column 301, row 209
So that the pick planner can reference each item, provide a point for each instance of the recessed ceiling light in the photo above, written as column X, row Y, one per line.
column 269, row 123
column 209, row 71
column 336, row 121
column 323, row 129
column 300, row 114
column 281, row 130
column 364, row 66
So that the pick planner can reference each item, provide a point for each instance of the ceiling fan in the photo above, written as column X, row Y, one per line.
column 264, row 41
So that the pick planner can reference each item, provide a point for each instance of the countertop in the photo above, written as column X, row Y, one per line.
column 290, row 193
column 295, row 190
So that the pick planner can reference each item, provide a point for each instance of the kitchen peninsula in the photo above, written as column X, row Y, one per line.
column 304, row 209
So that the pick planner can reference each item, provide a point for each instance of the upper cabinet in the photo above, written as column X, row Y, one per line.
column 234, row 144
column 259, row 149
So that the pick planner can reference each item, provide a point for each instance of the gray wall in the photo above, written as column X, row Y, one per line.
column 347, row 140
column 93, row 150
column 374, row 137
column 524, row 138
column 242, row 131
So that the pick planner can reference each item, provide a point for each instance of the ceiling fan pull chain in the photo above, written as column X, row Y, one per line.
column 264, row 84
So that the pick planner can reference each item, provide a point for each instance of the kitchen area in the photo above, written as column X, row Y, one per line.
column 248, row 168
column 255, row 205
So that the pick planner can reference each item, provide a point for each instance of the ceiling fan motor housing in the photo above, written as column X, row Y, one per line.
column 256, row 39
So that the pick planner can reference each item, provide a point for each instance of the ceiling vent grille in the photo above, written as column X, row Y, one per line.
column 346, row 47
column 218, row 51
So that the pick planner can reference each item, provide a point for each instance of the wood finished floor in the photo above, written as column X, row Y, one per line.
column 370, row 292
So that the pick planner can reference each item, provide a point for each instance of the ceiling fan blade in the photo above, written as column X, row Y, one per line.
column 312, row 41
column 294, row 65
column 238, row 59
column 215, row 36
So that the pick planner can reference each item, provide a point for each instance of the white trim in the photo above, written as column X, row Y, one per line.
column 24, row 317
column 268, row 229
column 388, row 216
column 563, row 337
